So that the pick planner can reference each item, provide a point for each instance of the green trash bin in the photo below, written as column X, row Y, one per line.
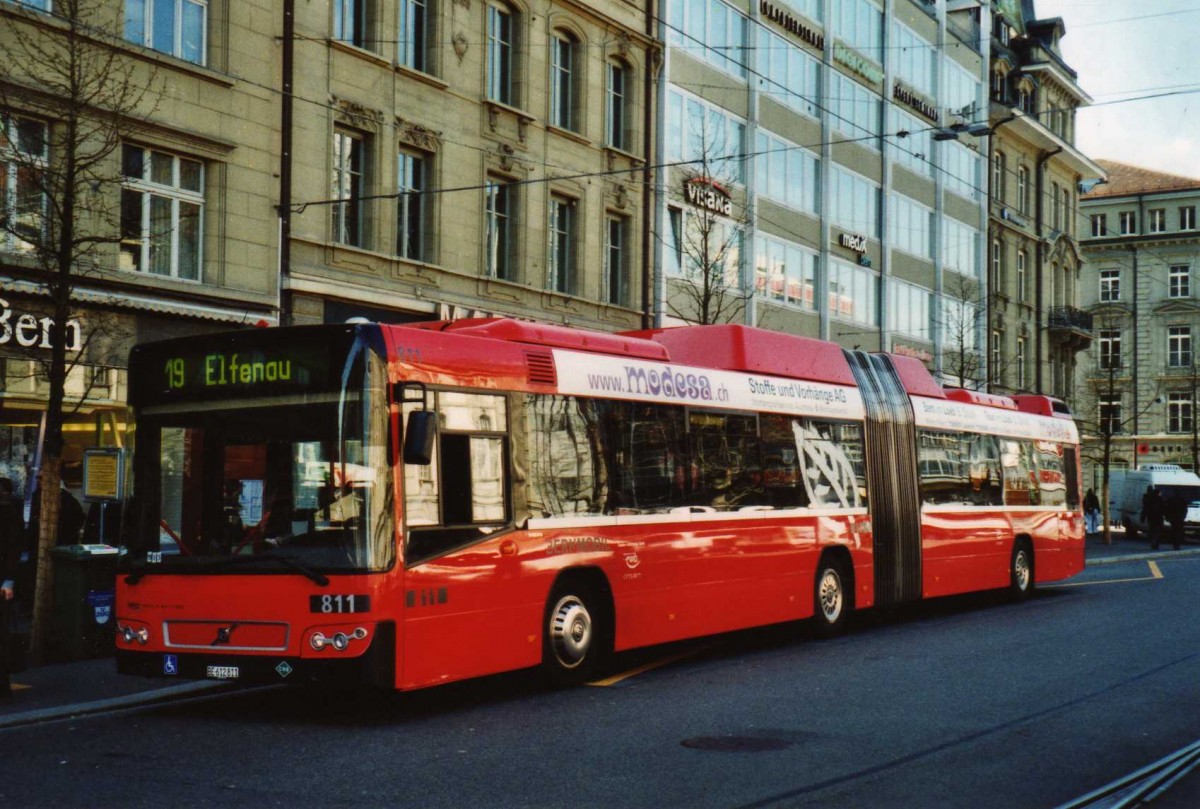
column 84, row 600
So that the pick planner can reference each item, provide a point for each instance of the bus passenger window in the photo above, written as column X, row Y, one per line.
column 650, row 457
column 472, row 466
column 809, row 462
column 1020, row 477
column 1052, row 482
column 725, row 455
column 462, row 495
column 566, row 456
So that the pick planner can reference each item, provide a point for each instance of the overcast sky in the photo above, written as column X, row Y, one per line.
column 1123, row 50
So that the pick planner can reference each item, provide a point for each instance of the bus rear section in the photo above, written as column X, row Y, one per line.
column 261, row 531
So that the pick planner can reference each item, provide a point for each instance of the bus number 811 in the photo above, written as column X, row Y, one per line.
column 339, row 603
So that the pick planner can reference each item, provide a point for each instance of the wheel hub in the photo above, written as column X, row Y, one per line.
column 1021, row 568
column 829, row 594
column 570, row 631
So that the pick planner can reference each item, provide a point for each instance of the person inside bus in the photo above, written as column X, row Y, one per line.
column 1154, row 510
column 232, row 530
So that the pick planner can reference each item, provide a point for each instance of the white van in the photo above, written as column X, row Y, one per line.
column 1170, row 480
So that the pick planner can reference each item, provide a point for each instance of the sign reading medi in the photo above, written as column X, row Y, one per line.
column 617, row 378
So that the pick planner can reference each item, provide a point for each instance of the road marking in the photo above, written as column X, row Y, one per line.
column 1155, row 573
column 654, row 664
column 20, row 686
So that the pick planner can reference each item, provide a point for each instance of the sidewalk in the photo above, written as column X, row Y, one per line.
column 63, row 690
column 1127, row 550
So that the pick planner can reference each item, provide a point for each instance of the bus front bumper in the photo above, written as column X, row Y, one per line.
column 375, row 666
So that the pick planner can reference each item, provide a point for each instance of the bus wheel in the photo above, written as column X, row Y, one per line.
column 831, row 601
column 1021, row 572
column 573, row 642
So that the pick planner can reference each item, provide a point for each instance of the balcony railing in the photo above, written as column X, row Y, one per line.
column 1068, row 317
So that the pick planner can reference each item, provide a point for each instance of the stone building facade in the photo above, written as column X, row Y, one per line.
column 454, row 157
column 1142, row 253
column 1036, row 324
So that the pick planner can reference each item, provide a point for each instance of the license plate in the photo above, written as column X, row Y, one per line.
column 222, row 672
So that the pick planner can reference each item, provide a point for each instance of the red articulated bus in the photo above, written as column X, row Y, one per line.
column 412, row 505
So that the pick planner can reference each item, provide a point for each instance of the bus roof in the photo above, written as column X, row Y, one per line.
column 549, row 335
column 980, row 398
column 734, row 347
column 1042, row 405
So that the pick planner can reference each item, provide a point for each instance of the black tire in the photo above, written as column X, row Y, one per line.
column 833, row 598
column 1020, row 572
column 576, row 634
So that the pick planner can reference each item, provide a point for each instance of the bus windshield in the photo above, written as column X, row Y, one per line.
column 295, row 482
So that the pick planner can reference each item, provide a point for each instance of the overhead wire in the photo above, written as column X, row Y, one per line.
column 746, row 156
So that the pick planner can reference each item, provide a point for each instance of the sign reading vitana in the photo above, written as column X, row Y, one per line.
column 708, row 194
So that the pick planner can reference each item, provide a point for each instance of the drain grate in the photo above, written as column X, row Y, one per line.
column 737, row 744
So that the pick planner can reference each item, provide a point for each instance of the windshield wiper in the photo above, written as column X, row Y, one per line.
column 304, row 570
column 229, row 561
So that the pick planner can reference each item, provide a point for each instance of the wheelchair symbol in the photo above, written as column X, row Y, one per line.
column 170, row 664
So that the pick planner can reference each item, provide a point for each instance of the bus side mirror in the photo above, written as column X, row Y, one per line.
column 418, row 437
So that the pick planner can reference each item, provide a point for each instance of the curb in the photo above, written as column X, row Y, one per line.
column 99, row 706
column 1143, row 556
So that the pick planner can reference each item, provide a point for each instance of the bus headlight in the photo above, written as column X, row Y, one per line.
column 317, row 641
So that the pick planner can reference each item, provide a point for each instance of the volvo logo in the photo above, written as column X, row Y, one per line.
column 223, row 634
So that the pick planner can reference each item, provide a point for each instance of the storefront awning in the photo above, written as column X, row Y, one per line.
column 86, row 295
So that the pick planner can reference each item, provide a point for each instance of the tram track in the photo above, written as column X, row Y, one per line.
column 1142, row 786
column 1161, row 784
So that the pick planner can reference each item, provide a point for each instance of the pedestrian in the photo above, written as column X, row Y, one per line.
column 70, row 518
column 1177, row 511
column 10, row 555
column 1154, row 510
column 1091, row 512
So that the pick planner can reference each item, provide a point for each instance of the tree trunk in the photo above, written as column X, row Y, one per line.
column 47, row 538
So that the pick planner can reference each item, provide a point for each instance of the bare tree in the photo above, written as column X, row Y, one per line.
column 960, row 318
column 1100, row 412
column 68, row 96
column 704, row 240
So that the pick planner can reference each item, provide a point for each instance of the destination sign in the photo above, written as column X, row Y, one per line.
column 258, row 362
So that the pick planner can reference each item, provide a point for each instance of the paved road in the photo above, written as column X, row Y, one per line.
column 966, row 702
